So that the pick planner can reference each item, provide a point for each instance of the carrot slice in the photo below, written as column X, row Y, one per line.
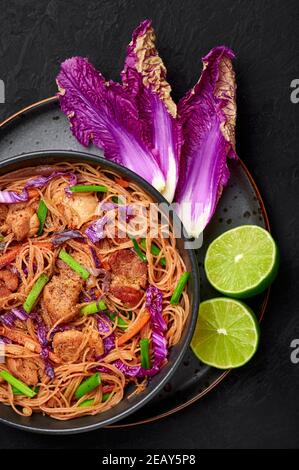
column 9, row 257
column 123, row 183
column 134, row 329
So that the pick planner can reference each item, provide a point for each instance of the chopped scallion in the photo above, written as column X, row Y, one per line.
column 23, row 388
column 93, row 307
column 179, row 288
column 88, row 188
column 35, row 292
column 145, row 356
column 155, row 250
column 74, row 265
column 138, row 250
column 42, row 211
column 88, row 385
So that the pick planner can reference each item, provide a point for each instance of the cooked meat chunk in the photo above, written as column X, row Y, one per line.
column 60, row 297
column 22, row 221
column 129, row 276
column 24, row 369
column 9, row 282
column 96, row 345
column 67, row 345
column 77, row 209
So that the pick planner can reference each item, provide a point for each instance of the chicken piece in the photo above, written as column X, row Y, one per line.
column 77, row 209
column 129, row 277
column 67, row 345
column 9, row 282
column 22, row 221
column 96, row 345
column 24, row 369
column 60, row 297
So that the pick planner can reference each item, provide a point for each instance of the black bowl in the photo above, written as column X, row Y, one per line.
column 44, row 424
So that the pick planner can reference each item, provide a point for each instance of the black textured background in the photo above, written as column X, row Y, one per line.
column 257, row 406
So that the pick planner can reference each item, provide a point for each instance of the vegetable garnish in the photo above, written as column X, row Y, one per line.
column 35, row 292
column 87, row 188
column 138, row 250
column 90, row 402
column 74, row 265
column 9, row 256
column 155, row 250
column 119, row 320
column 175, row 298
column 104, row 113
column 27, row 391
column 88, row 385
column 16, row 391
column 145, row 356
column 144, row 77
column 105, row 396
column 208, row 115
column 61, row 237
column 138, row 324
column 96, row 231
column 86, row 403
column 116, row 200
column 93, row 307
column 42, row 211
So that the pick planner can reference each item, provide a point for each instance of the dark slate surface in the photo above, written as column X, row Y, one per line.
column 257, row 406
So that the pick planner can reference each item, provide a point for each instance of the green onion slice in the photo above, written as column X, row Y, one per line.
column 117, row 200
column 138, row 250
column 20, row 386
column 175, row 298
column 93, row 307
column 120, row 322
column 35, row 292
column 88, row 385
column 90, row 402
column 145, row 356
column 155, row 250
column 88, row 188
column 42, row 211
column 17, row 392
column 74, row 265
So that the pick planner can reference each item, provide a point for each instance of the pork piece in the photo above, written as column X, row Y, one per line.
column 67, row 345
column 129, row 276
column 60, row 297
column 22, row 221
column 9, row 282
column 24, row 369
column 77, row 209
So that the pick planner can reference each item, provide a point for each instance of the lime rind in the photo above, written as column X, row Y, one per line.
column 216, row 263
column 225, row 351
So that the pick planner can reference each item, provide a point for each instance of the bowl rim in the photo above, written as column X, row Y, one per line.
column 76, row 155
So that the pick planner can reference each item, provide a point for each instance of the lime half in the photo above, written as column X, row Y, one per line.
column 242, row 262
column 226, row 334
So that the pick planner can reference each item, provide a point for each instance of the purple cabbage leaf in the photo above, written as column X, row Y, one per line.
column 104, row 113
column 144, row 76
column 208, row 116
